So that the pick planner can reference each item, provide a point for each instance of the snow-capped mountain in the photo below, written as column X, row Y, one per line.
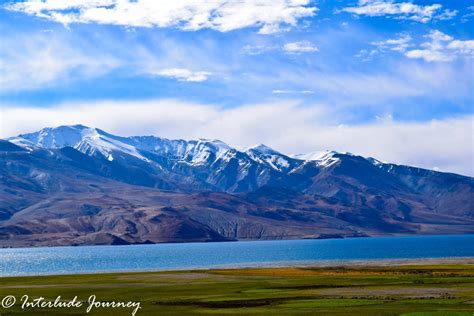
column 212, row 162
column 81, row 185
column 266, row 155
column 90, row 141
column 204, row 163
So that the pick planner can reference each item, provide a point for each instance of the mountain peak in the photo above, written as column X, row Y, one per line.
column 262, row 149
column 85, row 139
column 76, row 126
column 218, row 144
column 269, row 156
column 62, row 128
column 55, row 137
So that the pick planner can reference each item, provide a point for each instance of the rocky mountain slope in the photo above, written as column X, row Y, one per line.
column 80, row 185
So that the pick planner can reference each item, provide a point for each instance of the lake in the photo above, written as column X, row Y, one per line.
column 95, row 259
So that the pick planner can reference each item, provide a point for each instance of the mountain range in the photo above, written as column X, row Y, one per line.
column 76, row 185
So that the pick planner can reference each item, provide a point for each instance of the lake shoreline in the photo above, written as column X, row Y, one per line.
column 251, row 254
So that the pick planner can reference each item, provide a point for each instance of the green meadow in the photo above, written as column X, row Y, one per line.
column 415, row 290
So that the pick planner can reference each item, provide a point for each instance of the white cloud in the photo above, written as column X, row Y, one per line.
column 446, row 144
column 183, row 74
column 401, row 10
column 442, row 47
column 300, row 47
column 429, row 55
column 463, row 47
column 191, row 15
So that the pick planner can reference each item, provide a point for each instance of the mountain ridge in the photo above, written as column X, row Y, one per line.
column 81, row 185
column 23, row 140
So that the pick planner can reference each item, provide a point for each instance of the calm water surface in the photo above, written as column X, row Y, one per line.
column 92, row 259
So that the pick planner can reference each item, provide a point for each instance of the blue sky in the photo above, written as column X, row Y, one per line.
column 390, row 79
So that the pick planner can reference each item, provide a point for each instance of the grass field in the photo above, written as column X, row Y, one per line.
column 416, row 290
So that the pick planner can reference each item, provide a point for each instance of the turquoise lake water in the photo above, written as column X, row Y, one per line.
column 94, row 259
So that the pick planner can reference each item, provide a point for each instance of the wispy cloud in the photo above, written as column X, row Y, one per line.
column 183, row 74
column 401, row 10
column 258, row 49
column 467, row 16
column 284, row 91
column 29, row 62
column 445, row 144
column 39, row 60
column 221, row 15
column 399, row 44
column 300, row 47
column 440, row 47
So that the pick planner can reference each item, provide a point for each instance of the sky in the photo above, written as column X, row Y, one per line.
column 387, row 79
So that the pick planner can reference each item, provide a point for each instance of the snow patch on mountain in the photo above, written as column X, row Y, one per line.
column 375, row 162
column 85, row 139
column 266, row 155
column 24, row 143
column 315, row 155
column 324, row 158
